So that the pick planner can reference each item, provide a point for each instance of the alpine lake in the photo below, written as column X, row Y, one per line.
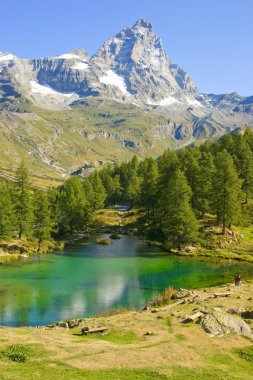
column 87, row 279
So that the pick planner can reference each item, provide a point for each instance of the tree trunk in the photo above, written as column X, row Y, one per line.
column 20, row 234
column 223, row 227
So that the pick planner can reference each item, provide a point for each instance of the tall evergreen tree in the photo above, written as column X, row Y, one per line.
column 99, row 193
column 23, row 202
column 226, row 191
column 243, row 158
column 189, row 163
column 204, row 181
column 133, row 188
column 7, row 218
column 42, row 217
column 149, row 186
column 74, row 207
column 177, row 219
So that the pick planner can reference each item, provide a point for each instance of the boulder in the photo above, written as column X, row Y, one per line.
column 236, row 310
column 73, row 323
column 63, row 324
column 182, row 293
column 219, row 324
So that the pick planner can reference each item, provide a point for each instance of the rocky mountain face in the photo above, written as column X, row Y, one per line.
column 131, row 71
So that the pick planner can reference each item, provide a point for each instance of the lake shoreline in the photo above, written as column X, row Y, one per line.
column 153, row 340
column 28, row 250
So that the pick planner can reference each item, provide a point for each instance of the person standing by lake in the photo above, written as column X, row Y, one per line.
column 237, row 280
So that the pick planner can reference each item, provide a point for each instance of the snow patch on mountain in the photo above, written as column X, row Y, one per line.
column 193, row 102
column 168, row 101
column 68, row 56
column 112, row 79
column 80, row 66
column 7, row 57
column 37, row 88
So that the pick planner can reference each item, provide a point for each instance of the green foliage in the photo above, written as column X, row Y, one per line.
column 7, row 218
column 215, row 178
column 104, row 241
column 99, row 194
column 17, row 353
column 148, row 190
column 246, row 353
column 226, row 191
column 74, row 207
column 175, row 215
column 42, row 217
column 116, row 336
column 164, row 298
column 23, row 202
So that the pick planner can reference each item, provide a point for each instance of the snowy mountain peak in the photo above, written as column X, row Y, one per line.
column 4, row 56
column 131, row 67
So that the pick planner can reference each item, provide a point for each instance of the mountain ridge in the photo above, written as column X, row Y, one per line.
column 132, row 73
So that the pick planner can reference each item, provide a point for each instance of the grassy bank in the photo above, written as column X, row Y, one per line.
column 237, row 244
column 15, row 249
column 171, row 350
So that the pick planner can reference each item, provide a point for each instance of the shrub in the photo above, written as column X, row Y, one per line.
column 246, row 353
column 17, row 353
column 165, row 297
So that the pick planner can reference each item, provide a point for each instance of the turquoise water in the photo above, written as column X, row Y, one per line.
column 88, row 279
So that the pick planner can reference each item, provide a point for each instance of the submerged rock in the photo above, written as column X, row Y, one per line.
column 219, row 324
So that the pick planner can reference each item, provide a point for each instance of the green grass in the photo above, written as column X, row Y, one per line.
column 168, row 322
column 58, row 371
column 115, row 336
column 53, row 370
column 180, row 337
column 246, row 353
column 60, row 136
column 21, row 353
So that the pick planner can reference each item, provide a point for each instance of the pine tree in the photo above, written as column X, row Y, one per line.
column 42, row 217
column 99, row 193
column 204, row 181
column 7, row 218
column 226, row 191
column 133, row 188
column 243, row 158
column 148, row 187
column 176, row 217
column 75, row 213
column 189, row 163
column 23, row 202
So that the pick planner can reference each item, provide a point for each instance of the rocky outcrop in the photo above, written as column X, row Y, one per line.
column 218, row 324
column 131, row 67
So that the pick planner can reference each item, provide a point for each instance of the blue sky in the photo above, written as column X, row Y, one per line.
column 211, row 39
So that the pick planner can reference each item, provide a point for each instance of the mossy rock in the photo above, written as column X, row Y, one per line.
column 104, row 241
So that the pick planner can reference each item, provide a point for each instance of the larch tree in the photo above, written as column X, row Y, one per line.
column 23, row 202
column 226, row 191
column 177, row 219
column 7, row 219
column 42, row 217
